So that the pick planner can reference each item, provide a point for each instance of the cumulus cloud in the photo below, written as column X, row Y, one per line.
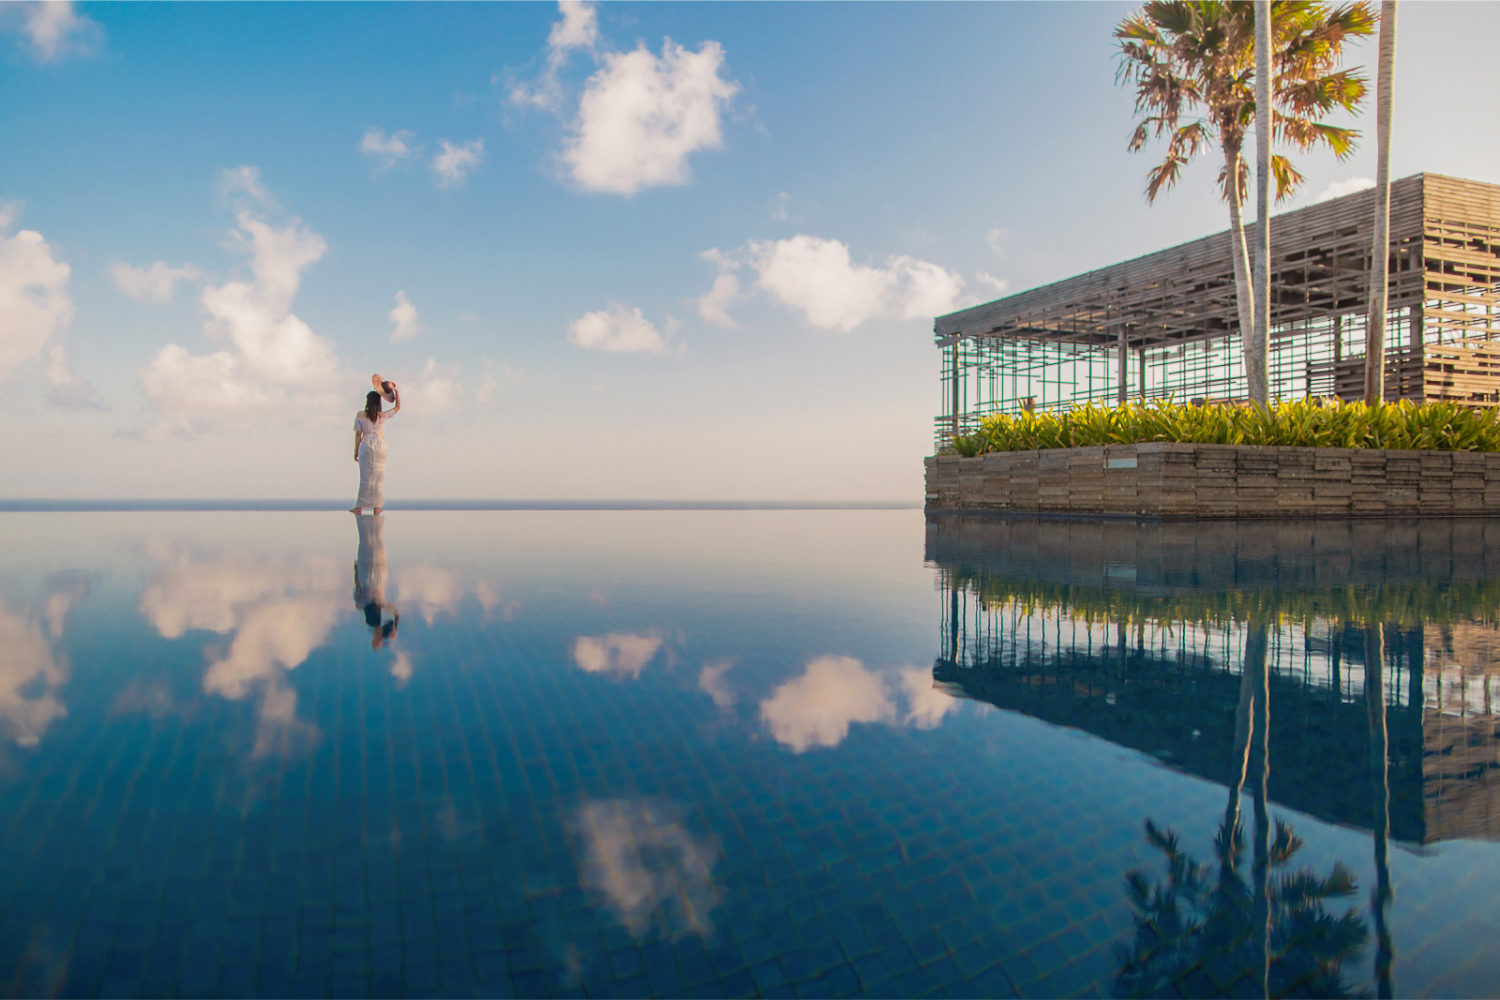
column 244, row 180
column 819, row 278
column 405, row 320
column 436, row 390
column 642, row 115
column 151, row 284
column 997, row 285
column 68, row 390
column 649, row 869
column 619, row 654
column 578, row 29
column 272, row 357
column 34, row 300
column 618, row 330
column 1340, row 188
column 386, row 150
column 55, row 28
column 452, row 164
column 714, row 305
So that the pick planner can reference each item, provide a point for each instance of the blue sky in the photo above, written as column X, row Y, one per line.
column 641, row 251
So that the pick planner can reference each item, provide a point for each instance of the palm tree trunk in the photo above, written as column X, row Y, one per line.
column 1244, row 303
column 1380, row 255
column 1257, row 365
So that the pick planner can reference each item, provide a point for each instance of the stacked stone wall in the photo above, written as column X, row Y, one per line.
column 1200, row 481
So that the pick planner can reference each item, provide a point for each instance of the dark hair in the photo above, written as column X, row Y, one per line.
column 372, row 405
column 372, row 615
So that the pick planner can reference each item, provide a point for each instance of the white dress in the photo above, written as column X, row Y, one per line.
column 371, row 458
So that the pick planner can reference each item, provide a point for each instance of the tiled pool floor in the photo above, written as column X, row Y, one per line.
column 639, row 754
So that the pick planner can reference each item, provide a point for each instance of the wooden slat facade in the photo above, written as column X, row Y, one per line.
column 1444, row 280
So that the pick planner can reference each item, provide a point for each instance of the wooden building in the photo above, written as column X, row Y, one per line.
column 1166, row 324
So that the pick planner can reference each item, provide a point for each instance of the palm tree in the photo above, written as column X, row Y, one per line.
column 1192, row 65
column 1380, row 259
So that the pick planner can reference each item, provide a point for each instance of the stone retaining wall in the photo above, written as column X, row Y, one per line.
column 1197, row 481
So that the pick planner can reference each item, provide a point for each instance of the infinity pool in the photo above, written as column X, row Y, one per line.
column 745, row 753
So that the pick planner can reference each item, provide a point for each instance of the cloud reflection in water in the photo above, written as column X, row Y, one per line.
column 834, row 692
column 619, row 654
column 650, row 870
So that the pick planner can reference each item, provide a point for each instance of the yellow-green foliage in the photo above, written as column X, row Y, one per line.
column 1305, row 423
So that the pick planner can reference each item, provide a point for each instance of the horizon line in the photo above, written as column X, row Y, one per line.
column 77, row 505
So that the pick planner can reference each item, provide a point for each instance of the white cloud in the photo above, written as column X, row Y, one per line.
column 405, row 319
column 1340, row 188
column 389, row 150
column 55, row 29
column 714, row 305
column 642, row 115
column 34, row 300
column 819, row 278
column 491, row 380
column 151, row 284
column 650, row 869
column 578, row 29
column 618, row 329
column 997, row 285
column 619, row 654
column 778, row 207
column 244, row 180
column 453, row 164
column 436, row 390
column 816, row 709
column 996, row 240
column 273, row 358
column 69, row 391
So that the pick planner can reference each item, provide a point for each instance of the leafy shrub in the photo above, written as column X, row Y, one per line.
column 1311, row 423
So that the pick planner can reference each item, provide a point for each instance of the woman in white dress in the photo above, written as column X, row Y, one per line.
column 369, row 449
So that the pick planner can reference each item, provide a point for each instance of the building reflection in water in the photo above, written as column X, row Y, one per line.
column 1346, row 670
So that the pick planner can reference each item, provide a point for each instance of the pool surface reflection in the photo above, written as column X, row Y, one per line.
column 741, row 753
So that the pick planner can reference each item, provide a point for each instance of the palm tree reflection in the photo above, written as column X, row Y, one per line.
column 1206, row 933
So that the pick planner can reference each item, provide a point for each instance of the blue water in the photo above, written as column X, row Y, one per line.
column 738, row 753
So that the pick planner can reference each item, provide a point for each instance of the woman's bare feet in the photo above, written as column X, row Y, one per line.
column 355, row 510
column 379, row 510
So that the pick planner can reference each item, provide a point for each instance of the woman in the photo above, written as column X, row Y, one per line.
column 369, row 449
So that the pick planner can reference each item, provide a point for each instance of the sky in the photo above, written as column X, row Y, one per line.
column 625, row 251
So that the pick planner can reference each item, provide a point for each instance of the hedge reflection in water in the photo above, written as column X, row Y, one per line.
column 1215, row 928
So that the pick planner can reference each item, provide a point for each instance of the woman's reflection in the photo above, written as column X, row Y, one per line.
column 370, row 578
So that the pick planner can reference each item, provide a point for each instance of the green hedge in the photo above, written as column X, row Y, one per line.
column 1308, row 423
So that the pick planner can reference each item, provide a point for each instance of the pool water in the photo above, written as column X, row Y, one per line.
column 745, row 753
